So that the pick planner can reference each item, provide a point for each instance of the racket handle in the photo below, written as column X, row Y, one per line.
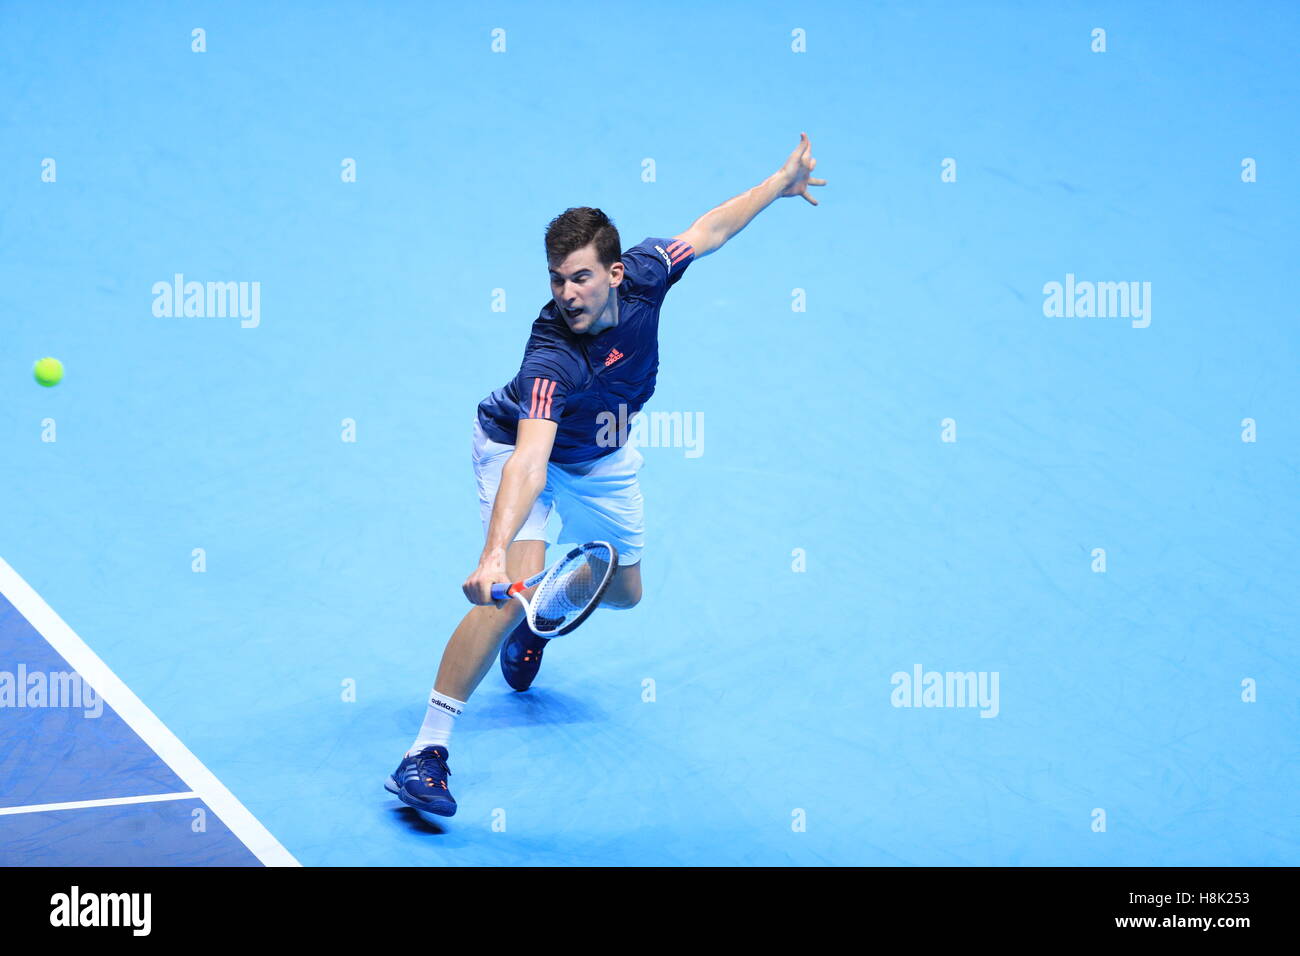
column 502, row 591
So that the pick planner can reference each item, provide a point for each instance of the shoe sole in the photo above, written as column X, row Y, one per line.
column 393, row 787
column 515, row 687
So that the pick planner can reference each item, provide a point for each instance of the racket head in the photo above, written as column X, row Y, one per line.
column 572, row 589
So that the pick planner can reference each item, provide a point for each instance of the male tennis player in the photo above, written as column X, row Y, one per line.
column 542, row 442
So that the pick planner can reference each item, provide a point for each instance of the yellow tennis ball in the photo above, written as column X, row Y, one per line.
column 48, row 372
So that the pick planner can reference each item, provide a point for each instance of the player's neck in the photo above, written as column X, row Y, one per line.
column 609, row 318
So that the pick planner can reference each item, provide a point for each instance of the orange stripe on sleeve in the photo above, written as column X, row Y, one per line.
column 532, row 410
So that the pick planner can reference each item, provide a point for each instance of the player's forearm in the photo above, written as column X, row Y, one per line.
column 723, row 222
column 520, row 486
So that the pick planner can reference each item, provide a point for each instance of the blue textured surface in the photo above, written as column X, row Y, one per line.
column 330, row 562
column 143, row 834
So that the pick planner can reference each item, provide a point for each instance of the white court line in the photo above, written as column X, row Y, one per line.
column 246, row 827
column 110, row 802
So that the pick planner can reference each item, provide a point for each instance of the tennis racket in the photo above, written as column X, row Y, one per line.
column 569, row 590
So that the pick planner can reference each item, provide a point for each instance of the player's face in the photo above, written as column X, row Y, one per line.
column 582, row 287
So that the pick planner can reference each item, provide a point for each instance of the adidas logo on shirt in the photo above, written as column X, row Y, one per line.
column 613, row 356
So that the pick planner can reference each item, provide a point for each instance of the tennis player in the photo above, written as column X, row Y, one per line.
column 541, row 442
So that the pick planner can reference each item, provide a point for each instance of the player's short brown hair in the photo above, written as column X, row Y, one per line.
column 579, row 226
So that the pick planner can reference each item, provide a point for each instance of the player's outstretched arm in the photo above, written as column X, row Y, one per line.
column 715, row 227
column 522, row 479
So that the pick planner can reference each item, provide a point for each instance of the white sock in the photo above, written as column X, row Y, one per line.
column 438, row 721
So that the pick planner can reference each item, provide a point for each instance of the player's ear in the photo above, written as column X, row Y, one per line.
column 616, row 273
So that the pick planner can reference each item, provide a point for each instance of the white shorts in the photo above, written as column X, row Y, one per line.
column 596, row 500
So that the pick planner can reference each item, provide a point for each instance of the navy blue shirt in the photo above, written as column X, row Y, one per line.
column 579, row 381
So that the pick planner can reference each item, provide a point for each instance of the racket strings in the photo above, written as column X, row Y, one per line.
column 570, row 590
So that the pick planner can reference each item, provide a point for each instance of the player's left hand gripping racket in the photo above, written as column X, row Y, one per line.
column 569, row 590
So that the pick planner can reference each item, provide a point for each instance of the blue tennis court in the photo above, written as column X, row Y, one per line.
column 970, row 492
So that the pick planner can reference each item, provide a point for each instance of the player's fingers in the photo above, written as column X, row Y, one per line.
column 474, row 592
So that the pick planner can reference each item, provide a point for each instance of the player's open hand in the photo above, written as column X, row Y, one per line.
column 478, row 586
column 797, row 171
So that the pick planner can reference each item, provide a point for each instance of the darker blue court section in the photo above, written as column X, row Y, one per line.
column 70, row 747
column 169, row 833
column 58, row 754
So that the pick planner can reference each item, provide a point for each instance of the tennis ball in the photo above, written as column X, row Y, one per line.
column 48, row 372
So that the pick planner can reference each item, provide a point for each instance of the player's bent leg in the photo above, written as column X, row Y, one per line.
column 420, row 780
column 477, row 638
column 521, row 653
column 602, row 501
column 625, row 590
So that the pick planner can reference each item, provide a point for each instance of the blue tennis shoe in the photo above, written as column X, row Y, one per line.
column 420, row 781
column 521, row 656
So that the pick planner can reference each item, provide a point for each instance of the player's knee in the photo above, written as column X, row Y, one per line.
column 625, row 593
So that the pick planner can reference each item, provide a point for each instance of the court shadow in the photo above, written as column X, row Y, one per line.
column 418, row 822
column 533, row 707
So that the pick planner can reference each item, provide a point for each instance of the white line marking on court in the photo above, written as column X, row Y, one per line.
column 246, row 827
column 110, row 802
